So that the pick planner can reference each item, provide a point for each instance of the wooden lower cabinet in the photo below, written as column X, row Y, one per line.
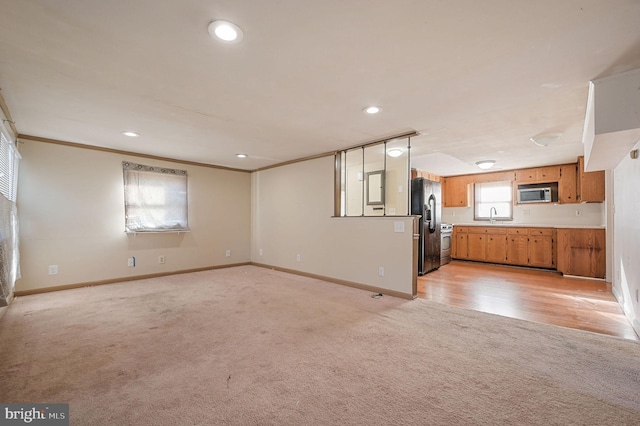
column 459, row 249
column 541, row 248
column 518, row 246
column 477, row 247
column 581, row 252
column 497, row 245
column 513, row 246
column 486, row 244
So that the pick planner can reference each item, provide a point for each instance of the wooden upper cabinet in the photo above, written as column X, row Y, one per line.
column 455, row 191
column 590, row 184
column 548, row 174
column 568, row 184
column 525, row 175
column 538, row 174
column 415, row 173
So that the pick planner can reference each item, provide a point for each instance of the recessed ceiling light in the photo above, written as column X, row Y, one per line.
column 241, row 155
column 131, row 134
column 485, row 164
column 225, row 31
column 372, row 109
column 395, row 152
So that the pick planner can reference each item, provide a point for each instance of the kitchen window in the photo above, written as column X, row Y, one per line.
column 493, row 197
column 155, row 199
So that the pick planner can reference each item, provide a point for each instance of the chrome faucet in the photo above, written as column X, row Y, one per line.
column 491, row 213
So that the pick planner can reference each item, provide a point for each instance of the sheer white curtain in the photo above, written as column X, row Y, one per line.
column 9, row 252
column 155, row 199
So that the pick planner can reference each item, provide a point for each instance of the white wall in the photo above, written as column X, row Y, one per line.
column 71, row 212
column 626, row 237
column 292, row 208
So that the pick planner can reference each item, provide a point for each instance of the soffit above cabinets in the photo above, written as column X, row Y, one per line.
column 612, row 124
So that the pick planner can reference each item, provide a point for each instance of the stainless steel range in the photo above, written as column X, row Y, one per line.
column 446, row 233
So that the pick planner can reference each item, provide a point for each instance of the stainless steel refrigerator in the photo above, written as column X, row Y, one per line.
column 425, row 201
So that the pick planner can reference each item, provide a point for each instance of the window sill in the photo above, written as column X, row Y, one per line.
column 168, row 231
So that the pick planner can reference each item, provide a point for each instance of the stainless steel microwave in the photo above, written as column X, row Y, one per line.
column 534, row 195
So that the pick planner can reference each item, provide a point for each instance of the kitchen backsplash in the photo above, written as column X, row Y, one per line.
column 590, row 214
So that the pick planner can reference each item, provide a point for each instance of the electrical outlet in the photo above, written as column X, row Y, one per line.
column 381, row 271
column 637, row 296
column 160, row 259
column 578, row 212
column 53, row 269
column 228, row 253
column 398, row 227
column 526, row 212
column 259, row 252
column 131, row 261
column 298, row 257
column 453, row 214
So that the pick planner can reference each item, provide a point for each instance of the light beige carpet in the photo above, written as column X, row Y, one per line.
column 248, row 345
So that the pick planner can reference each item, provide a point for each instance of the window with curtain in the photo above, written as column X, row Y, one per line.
column 9, row 253
column 155, row 198
column 498, row 195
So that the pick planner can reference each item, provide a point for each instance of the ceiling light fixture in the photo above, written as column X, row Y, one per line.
column 545, row 139
column 241, row 155
column 485, row 164
column 372, row 109
column 226, row 31
column 395, row 152
column 131, row 134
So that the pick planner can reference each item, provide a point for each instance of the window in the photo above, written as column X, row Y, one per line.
column 155, row 199
column 9, row 253
column 490, row 195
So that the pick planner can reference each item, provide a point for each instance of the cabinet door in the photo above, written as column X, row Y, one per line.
column 548, row 174
column 518, row 249
column 567, row 186
column 455, row 192
column 525, row 175
column 582, row 252
column 460, row 247
column 496, row 248
column 477, row 246
column 541, row 251
column 591, row 184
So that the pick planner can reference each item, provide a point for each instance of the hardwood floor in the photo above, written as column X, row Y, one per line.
column 533, row 295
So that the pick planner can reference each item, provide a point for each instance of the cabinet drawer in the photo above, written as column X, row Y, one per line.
column 487, row 230
column 477, row 230
column 540, row 231
column 497, row 231
column 460, row 229
column 518, row 231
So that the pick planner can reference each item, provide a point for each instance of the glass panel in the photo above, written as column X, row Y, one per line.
column 354, row 184
column 375, row 176
column 397, row 189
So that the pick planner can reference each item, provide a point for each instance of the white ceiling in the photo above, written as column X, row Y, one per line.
column 475, row 79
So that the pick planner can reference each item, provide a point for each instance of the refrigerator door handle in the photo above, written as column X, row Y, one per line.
column 432, row 209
